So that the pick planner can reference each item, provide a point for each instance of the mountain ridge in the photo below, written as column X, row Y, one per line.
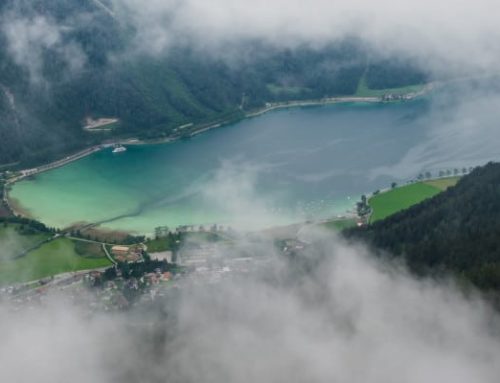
column 76, row 61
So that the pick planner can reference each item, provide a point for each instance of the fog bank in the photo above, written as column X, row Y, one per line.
column 350, row 318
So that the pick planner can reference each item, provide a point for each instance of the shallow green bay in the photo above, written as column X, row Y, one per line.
column 281, row 167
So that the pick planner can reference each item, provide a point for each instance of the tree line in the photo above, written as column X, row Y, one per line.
column 29, row 226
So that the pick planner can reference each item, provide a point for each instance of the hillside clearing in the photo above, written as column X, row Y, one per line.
column 392, row 201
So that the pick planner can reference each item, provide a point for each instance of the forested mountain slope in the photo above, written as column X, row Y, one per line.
column 65, row 60
column 457, row 230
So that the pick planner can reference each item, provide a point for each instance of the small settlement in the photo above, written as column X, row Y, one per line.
column 127, row 253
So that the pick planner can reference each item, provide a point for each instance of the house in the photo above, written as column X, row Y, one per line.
column 127, row 253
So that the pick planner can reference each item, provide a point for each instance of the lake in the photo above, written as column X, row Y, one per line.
column 281, row 167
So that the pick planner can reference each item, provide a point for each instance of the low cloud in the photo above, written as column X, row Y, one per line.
column 233, row 192
column 460, row 132
column 351, row 318
column 29, row 39
column 335, row 313
column 443, row 35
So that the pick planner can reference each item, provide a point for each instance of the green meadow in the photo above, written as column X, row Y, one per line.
column 55, row 257
column 392, row 201
column 364, row 91
column 13, row 242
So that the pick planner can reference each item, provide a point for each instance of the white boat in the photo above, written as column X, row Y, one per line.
column 119, row 149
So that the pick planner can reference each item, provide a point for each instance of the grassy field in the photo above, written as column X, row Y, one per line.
column 159, row 244
column 13, row 243
column 443, row 183
column 89, row 249
column 400, row 198
column 55, row 257
column 364, row 91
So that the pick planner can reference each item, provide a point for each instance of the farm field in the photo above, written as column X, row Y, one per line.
column 392, row 201
column 58, row 256
column 13, row 242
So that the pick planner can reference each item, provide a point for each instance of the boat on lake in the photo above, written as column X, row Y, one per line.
column 119, row 149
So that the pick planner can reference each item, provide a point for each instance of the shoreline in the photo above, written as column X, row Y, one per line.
column 303, row 103
column 24, row 173
column 269, row 107
column 18, row 210
column 203, row 128
column 15, row 207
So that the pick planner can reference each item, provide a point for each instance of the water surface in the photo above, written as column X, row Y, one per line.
column 281, row 167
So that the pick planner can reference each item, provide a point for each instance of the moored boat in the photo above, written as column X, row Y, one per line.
column 119, row 149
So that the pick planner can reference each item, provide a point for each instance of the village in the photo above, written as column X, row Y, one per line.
column 141, row 278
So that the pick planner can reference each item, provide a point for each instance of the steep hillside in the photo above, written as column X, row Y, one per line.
column 65, row 60
column 457, row 230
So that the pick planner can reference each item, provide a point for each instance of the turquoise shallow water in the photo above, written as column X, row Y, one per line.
column 281, row 167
